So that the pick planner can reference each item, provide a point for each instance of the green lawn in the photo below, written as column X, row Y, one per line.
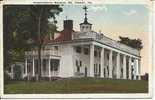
column 77, row 85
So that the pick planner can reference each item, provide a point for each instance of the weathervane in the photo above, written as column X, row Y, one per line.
column 85, row 8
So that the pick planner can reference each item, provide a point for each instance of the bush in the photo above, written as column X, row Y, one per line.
column 7, row 78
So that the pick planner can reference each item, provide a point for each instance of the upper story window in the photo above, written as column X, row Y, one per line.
column 78, row 49
column 99, row 53
column 108, row 56
column 113, row 57
column 56, row 48
column 86, row 51
column 132, row 60
column 95, row 53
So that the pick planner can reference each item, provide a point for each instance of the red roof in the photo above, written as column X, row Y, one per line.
column 65, row 35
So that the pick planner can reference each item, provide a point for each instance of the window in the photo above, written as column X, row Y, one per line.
column 54, row 64
column 76, row 62
column 29, row 68
column 82, row 27
column 55, row 47
column 44, row 64
column 96, row 68
column 122, row 70
column 55, row 68
column 78, row 66
column 108, row 70
column 99, row 53
column 86, row 27
column 104, row 72
column 80, row 63
column 113, row 58
column 99, row 68
column 36, row 65
column 78, row 69
column 78, row 49
column 95, row 53
column 107, row 56
column 86, row 51
column 90, row 27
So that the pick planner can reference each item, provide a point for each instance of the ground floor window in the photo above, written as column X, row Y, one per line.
column 78, row 69
column 36, row 65
column 44, row 64
column 104, row 72
column 54, row 64
column 78, row 65
column 97, row 69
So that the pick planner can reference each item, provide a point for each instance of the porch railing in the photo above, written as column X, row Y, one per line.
column 43, row 52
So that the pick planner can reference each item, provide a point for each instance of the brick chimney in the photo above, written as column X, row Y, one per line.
column 68, row 29
column 68, row 24
column 66, row 33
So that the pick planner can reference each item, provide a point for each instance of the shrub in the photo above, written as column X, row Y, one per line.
column 7, row 78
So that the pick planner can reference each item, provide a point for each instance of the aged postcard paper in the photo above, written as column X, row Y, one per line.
column 76, row 49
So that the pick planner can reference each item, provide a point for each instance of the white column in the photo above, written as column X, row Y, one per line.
column 26, row 66
column 135, row 69
column 129, row 67
column 91, row 69
column 49, row 68
column 139, row 66
column 33, row 73
column 102, row 62
column 124, row 66
column 110, row 64
column 118, row 72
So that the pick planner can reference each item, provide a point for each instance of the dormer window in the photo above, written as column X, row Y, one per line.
column 82, row 27
column 86, row 27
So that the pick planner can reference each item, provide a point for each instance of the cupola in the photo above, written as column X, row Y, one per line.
column 85, row 26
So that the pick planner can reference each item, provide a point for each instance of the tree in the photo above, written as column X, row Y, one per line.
column 134, row 43
column 14, row 39
column 40, row 16
column 25, row 23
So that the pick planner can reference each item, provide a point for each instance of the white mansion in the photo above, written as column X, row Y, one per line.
column 84, row 53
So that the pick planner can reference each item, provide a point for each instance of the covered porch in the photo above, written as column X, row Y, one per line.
column 50, row 66
column 92, row 59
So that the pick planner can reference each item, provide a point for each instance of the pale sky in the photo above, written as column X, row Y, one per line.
column 113, row 21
